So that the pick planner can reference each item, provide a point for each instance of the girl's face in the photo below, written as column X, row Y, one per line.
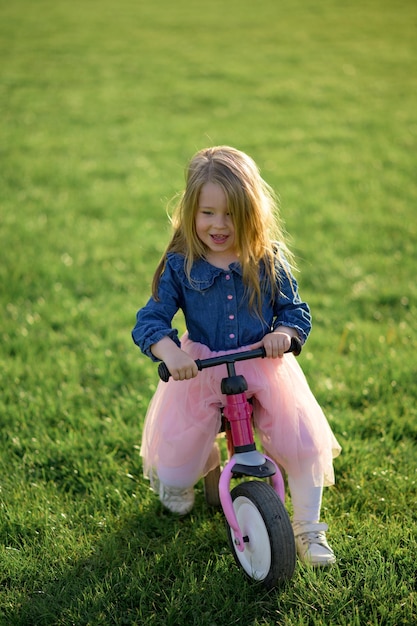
column 214, row 226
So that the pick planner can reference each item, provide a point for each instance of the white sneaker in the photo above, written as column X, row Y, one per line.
column 175, row 499
column 311, row 544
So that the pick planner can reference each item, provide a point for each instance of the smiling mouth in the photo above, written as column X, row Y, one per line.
column 219, row 238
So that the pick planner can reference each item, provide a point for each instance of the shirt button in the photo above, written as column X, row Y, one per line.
column 230, row 297
column 227, row 277
column 231, row 317
column 231, row 336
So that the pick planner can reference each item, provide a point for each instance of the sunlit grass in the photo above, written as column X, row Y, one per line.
column 102, row 104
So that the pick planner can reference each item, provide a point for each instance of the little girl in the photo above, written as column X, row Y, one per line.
column 228, row 269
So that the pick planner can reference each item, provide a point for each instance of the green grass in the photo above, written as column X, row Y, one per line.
column 102, row 104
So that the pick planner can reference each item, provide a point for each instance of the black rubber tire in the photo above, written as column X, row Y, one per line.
column 211, row 487
column 270, row 553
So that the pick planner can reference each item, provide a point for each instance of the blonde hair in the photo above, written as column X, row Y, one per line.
column 259, row 235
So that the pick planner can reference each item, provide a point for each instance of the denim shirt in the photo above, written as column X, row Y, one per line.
column 215, row 308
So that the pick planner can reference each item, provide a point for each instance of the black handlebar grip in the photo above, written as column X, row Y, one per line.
column 296, row 346
column 163, row 372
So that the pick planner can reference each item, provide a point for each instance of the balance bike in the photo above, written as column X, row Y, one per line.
column 258, row 525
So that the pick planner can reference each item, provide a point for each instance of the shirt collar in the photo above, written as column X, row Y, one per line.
column 203, row 274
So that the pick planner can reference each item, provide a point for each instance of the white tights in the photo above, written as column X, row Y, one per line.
column 306, row 499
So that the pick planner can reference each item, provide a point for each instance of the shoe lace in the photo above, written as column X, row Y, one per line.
column 312, row 533
column 176, row 493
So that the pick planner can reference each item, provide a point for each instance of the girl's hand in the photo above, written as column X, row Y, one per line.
column 180, row 365
column 278, row 342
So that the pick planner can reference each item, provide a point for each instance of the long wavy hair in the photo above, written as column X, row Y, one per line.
column 259, row 234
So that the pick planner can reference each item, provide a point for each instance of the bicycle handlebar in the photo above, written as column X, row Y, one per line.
column 295, row 347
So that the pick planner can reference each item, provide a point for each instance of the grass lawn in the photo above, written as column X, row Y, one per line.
column 102, row 104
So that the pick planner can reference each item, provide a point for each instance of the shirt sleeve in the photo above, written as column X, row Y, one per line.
column 289, row 309
column 154, row 320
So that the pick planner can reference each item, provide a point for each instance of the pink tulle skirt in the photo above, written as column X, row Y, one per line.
column 183, row 419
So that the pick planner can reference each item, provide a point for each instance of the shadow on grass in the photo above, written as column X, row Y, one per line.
column 152, row 569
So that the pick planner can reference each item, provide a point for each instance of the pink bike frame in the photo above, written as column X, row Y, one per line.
column 245, row 459
column 238, row 412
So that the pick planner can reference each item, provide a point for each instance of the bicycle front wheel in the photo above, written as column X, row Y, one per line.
column 269, row 555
